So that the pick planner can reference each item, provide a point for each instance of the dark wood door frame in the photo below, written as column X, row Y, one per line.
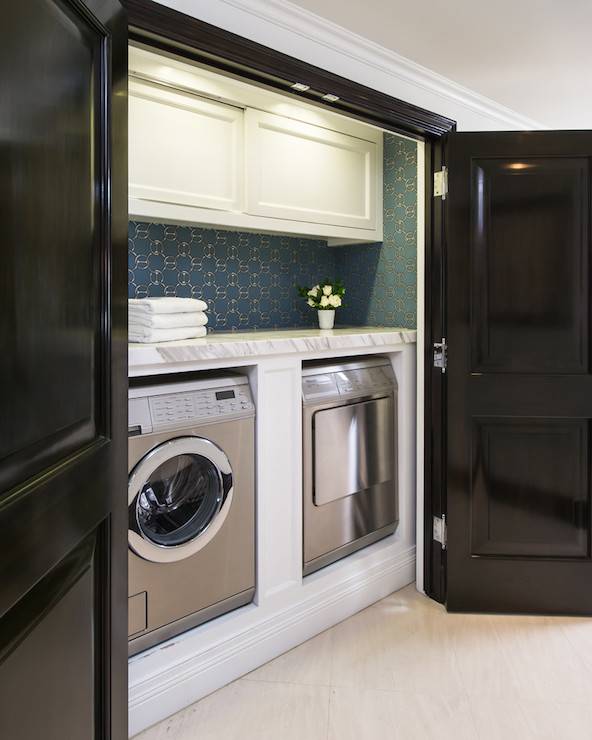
column 170, row 31
column 434, row 379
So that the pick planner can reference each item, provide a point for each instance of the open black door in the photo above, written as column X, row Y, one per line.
column 519, row 383
column 63, row 199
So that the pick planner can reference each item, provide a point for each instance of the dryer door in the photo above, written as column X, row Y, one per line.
column 179, row 496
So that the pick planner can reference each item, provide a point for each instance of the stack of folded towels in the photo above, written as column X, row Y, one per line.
column 166, row 319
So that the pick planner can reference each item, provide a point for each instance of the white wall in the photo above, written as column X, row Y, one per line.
column 295, row 31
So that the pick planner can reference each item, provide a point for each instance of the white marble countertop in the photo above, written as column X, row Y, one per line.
column 240, row 345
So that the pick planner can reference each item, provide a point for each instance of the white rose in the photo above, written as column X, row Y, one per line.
column 312, row 292
column 335, row 301
column 327, row 290
column 324, row 302
column 311, row 302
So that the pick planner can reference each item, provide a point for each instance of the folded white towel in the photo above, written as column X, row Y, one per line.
column 166, row 320
column 166, row 305
column 145, row 334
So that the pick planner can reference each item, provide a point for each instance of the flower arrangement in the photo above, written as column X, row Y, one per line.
column 325, row 297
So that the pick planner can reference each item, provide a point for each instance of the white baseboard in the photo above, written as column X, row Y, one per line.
column 163, row 692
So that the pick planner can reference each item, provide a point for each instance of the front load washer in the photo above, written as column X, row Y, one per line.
column 191, row 497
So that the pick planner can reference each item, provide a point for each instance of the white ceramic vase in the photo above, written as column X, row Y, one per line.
column 326, row 318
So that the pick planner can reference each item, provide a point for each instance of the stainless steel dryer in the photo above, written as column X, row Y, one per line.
column 349, row 457
column 191, row 503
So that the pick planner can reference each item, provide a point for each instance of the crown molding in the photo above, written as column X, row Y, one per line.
column 227, row 41
column 309, row 26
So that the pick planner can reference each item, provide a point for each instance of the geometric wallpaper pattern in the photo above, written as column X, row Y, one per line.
column 381, row 278
column 249, row 279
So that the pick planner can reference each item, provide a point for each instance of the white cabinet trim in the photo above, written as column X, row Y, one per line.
column 141, row 209
column 262, row 202
column 244, row 202
column 231, row 118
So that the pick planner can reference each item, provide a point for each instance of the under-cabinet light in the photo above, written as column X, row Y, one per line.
column 300, row 86
column 330, row 98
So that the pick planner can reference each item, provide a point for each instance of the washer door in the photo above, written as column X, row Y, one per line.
column 179, row 496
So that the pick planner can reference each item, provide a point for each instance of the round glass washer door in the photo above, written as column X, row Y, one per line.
column 179, row 496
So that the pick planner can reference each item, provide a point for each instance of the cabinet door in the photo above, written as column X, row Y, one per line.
column 183, row 149
column 303, row 172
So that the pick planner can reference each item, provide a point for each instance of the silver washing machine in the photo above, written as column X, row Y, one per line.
column 191, row 497
column 349, row 430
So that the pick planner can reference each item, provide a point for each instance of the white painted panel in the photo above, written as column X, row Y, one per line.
column 203, row 81
column 296, row 170
column 174, row 213
column 320, row 172
column 279, row 476
column 182, row 149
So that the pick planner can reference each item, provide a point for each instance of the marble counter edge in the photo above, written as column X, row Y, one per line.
column 239, row 346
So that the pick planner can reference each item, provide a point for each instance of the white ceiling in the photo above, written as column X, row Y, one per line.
column 534, row 56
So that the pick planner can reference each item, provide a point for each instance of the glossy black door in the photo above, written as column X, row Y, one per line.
column 519, row 393
column 63, row 199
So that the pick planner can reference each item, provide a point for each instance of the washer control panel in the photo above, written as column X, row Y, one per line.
column 203, row 404
column 153, row 413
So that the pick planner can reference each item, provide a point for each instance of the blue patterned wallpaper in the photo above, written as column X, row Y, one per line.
column 248, row 279
column 381, row 278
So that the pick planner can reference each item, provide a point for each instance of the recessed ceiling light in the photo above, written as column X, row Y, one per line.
column 300, row 86
column 330, row 98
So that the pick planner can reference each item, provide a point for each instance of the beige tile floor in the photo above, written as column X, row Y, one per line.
column 404, row 669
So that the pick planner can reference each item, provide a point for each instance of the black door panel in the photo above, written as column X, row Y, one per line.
column 53, row 291
column 519, row 388
column 63, row 374
column 529, row 487
column 529, row 270
column 56, row 627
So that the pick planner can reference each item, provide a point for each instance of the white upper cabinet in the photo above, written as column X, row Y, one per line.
column 303, row 172
column 209, row 150
column 183, row 149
